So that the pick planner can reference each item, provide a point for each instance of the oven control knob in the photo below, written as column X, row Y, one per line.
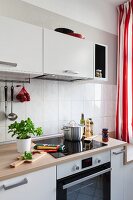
column 97, row 161
column 75, row 168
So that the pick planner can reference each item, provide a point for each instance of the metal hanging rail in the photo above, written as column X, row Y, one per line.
column 16, row 81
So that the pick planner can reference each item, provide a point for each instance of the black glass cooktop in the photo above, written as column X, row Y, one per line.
column 71, row 147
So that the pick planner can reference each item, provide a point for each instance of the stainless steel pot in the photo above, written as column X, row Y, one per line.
column 73, row 132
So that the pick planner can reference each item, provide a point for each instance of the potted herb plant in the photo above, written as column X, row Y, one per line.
column 23, row 131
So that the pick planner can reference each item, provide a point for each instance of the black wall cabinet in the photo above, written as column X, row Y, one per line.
column 100, row 60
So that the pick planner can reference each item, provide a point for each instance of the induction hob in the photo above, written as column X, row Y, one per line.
column 71, row 147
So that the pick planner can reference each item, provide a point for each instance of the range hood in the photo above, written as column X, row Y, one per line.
column 60, row 77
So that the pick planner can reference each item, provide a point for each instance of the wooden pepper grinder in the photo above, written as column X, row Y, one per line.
column 87, row 128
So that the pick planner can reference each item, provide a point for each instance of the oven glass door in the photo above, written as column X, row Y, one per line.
column 92, row 187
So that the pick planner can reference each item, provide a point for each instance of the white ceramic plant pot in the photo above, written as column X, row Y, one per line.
column 23, row 145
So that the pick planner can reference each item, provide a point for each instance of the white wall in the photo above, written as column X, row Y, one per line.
column 29, row 13
column 100, row 14
column 55, row 103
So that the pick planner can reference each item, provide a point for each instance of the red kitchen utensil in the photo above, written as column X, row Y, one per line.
column 77, row 35
column 23, row 95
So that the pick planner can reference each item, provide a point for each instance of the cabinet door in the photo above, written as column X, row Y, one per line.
column 20, row 46
column 128, row 182
column 117, row 174
column 67, row 55
column 34, row 186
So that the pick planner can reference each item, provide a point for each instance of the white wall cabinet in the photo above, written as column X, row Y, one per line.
column 41, row 186
column 20, row 47
column 67, row 55
column 117, row 174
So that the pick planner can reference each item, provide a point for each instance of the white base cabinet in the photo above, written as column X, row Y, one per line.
column 128, row 181
column 20, row 47
column 39, row 185
column 117, row 175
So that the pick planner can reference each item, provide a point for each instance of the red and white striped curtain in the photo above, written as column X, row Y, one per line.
column 124, row 111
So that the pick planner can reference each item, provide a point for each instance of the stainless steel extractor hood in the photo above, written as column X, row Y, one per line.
column 60, row 77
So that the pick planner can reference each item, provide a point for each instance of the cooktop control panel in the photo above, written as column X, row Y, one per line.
column 86, row 162
column 73, row 167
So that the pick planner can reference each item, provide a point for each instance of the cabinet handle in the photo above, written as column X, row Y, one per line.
column 70, row 72
column 120, row 152
column 8, row 63
column 24, row 181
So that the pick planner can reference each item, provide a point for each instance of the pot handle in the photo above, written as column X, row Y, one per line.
column 72, row 123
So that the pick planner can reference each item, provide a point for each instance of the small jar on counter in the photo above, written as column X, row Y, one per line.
column 105, row 135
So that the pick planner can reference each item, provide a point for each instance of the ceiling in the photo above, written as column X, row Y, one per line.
column 117, row 2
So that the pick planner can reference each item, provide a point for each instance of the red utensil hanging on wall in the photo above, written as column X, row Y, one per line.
column 23, row 95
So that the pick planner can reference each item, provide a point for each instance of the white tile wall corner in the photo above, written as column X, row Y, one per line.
column 54, row 104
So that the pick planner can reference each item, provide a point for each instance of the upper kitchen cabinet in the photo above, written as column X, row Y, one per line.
column 101, row 62
column 20, row 47
column 67, row 55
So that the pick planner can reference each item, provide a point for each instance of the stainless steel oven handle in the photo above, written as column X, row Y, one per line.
column 86, row 178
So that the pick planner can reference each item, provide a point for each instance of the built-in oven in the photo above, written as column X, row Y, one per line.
column 86, row 179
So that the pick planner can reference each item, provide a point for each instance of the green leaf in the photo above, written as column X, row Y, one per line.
column 24, row 129
column 27, row 156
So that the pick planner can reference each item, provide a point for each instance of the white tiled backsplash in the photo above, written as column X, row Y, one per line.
column 55, row 103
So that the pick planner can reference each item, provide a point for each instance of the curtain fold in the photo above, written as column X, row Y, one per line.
column 124, row 107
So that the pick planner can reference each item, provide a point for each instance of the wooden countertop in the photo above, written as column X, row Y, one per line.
column 8, row 154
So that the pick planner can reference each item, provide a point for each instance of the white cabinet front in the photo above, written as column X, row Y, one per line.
column 117, row 174
column 39, row 185
column 128, row 182
column 20, row 46
column 67, row 55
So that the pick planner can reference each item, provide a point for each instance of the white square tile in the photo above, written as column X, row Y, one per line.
column 2, row 134
column 77, row 109
column 8, row 136
column 99, row 109
column 2, row 114
column 65, row 90
column 114, row 92
column 109, row 122
column 98, row 92
column 98, row 125
column 89, row 91
column 78, row 89
column 113, row 108
column 107, row 92
column 2, row 94
column 19, row 109
column 50, row 127
column 89, row 109
column 109, row 108
column 35, row 89
column 51, row 90
column 64, row 110
column 35, row 111
column 51, row 110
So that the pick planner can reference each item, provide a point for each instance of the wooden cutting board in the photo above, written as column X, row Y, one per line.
column 20, row 161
